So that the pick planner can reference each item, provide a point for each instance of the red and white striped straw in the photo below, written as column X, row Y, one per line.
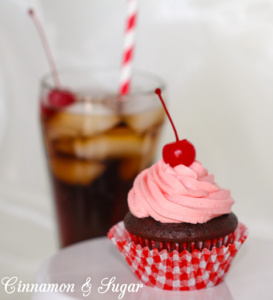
column 129, row 42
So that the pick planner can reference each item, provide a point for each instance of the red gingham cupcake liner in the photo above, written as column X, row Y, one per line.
column 177, row 270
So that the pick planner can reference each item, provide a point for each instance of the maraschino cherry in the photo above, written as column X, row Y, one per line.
column 178, row 152
column 58, row 97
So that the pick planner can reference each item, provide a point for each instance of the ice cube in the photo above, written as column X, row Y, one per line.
column 54, row 132
column 130, row 167
column 144, row 121
column 111, row 146
column 64, row 146
column 63, row 123
column 73, row 171
column 150, row 155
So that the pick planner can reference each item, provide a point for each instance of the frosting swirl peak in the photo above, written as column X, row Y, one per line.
column 178, row 194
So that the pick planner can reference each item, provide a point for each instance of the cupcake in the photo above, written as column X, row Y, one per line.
column 179, row 233
column 179, row 208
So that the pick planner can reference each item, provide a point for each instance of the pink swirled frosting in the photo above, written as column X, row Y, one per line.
column 179, row 194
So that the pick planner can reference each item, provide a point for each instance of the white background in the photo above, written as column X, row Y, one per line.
column 217, row 60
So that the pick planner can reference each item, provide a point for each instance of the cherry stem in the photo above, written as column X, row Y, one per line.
column 158, row 92
column 46, row 47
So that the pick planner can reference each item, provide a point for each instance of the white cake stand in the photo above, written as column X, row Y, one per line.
column 250, row 276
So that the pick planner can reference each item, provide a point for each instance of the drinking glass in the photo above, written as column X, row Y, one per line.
column 97, row 145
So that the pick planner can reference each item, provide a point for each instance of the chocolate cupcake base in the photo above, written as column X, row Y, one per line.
column 181, row 236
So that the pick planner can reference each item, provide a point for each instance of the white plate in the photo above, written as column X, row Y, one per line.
column 250, row 276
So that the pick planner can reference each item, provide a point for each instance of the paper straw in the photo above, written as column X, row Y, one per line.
column 129, row 40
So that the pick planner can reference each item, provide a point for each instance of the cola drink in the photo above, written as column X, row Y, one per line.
column 95, row 147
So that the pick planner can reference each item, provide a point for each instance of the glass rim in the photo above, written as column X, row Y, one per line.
column 47, row 77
